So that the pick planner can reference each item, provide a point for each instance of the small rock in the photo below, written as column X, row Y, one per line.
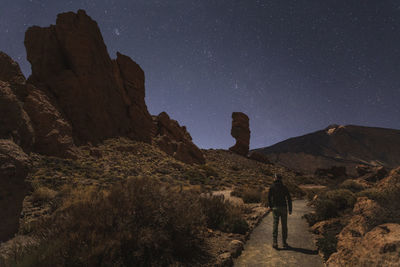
column 236, row 248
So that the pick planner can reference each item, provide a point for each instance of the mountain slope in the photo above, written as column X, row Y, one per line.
column 336, row 145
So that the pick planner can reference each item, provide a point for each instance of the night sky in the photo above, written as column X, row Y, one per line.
column 292, row 66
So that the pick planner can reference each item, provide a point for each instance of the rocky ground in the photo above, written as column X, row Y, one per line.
column 365, row 229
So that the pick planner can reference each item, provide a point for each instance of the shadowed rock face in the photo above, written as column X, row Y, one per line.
column 174, row 140
column 14, row 166
column 53, row 134
column 347, row 146
column 14, row 122
column 100, row 97
column 241, row 132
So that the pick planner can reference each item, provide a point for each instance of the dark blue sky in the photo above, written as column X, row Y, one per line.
column 292, row 66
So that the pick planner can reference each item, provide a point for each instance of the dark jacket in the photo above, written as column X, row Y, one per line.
column 279, row 196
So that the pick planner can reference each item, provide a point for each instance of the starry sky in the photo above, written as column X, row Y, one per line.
column 292, row 66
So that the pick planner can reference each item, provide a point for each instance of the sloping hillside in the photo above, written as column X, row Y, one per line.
column 347, row 146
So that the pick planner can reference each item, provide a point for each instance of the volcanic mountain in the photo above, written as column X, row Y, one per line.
column 338, row 145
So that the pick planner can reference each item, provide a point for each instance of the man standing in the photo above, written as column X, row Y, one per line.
column 279, row 201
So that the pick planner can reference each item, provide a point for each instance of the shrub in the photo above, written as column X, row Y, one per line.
column 222, row 215
column 43, row 193
column 195, row 176
column 331, row 203
column 137, row 223
column 249, row 195
column 372, row 193
column 352, row 185
column 327, row 244
column 210, row 171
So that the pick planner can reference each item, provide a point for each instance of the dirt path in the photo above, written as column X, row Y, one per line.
column 259, row 252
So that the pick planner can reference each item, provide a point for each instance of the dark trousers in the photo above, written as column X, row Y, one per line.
column 280, row 212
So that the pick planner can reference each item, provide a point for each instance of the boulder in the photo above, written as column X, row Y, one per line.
column 14, row 167
column 241, row 132
column 14, row 122
column 174, row 140
column 99, row 97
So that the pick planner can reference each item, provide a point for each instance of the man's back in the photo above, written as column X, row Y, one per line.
column 279, row 195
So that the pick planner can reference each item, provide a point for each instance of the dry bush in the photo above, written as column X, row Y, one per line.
column 333, row 202
column 223, row 215
column 249, row 194
column 138, row 223
column 352, row 185
column 43, row 193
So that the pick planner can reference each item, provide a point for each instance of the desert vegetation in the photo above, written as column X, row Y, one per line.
column 138, row 222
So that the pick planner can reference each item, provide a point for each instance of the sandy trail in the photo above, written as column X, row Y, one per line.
column 259, row 252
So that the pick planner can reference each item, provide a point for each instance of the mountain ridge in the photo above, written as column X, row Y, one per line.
column 338, row 145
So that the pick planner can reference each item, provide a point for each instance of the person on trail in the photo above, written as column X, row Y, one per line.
column 279, row 202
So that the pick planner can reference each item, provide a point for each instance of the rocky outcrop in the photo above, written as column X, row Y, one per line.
column 53, row 134
column 372, row 236
column 348, row 146
column 241, row 132
column 14, row 167
column 367, row 215
column 10, row 72
column 14, row 122
column 99, row 97
column 174, row 140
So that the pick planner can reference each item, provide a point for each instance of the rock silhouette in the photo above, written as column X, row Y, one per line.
column 100, row 97
column 87, row 96
column 241, row 132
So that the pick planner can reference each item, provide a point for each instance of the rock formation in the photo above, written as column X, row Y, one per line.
column 241, row 132
column 14, row 122
column 175, row 140
column 53, row 134
column 100, row 97
column 372, row 236
column 30, row 119
column 14, row 166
